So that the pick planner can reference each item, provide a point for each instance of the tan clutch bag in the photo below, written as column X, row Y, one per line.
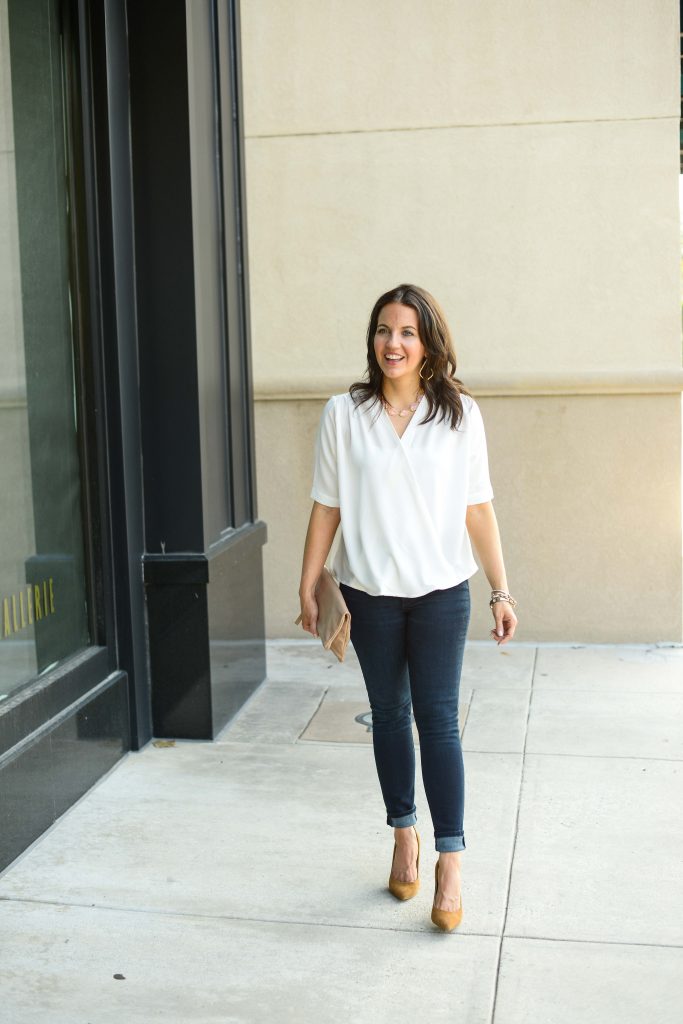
column 334, row 618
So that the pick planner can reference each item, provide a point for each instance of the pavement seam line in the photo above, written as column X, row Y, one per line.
column 152, row 912
column 318, row 706
column 514, row 841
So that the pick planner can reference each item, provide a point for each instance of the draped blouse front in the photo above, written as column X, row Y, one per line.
column 402, row 500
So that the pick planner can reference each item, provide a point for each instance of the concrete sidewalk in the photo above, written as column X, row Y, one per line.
column 245, row 880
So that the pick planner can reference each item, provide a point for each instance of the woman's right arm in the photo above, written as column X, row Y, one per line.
column 322, row 527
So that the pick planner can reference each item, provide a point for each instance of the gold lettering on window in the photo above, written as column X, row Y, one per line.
column 21, row 609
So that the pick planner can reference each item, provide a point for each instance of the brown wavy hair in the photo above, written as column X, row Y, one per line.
column 443, row 389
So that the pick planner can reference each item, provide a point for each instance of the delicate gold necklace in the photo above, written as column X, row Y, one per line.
column 402, row 412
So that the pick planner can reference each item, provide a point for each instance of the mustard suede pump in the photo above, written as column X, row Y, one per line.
column 405, row 890
column 446, row 920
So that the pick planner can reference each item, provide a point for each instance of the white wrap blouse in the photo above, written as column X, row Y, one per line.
column 402, row 500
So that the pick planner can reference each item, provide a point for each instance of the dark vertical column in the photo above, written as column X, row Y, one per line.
column 202, row 566
column 165, row 275
column 212, row 343
column 109, row 188
column 240, row 389
column 175, row 570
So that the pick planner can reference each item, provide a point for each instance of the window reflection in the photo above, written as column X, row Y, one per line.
column 42, row 571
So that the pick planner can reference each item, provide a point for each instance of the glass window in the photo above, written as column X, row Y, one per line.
column 42, row 564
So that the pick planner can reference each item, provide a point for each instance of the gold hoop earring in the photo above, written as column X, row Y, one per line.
column 430, row 375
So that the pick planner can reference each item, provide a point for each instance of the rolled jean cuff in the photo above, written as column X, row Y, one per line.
column 403, row 822
column 450, row 844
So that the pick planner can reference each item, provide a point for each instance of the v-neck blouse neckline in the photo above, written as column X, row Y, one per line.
column 400, row 437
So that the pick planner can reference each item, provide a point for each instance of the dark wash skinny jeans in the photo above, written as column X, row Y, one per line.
column 411, row 649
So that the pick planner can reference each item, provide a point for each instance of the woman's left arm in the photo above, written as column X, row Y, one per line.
column 482, row 527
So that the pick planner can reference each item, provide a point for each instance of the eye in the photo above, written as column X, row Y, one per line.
column 409, row 333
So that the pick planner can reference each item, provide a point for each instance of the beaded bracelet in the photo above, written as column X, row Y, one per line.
column 501, row 595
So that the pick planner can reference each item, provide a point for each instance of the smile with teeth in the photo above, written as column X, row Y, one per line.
column 393, row 358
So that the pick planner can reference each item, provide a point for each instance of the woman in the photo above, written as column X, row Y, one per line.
column 410, row 496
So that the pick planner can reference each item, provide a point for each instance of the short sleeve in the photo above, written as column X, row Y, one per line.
column 325, row 479
column 479, row 487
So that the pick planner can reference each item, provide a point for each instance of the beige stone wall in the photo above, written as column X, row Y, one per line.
column 522, row 164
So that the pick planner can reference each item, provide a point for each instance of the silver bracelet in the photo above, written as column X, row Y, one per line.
column 502, row 595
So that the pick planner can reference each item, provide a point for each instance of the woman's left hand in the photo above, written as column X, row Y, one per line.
column 506, row 622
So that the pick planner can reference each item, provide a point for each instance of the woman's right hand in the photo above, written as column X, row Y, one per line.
column 309, row 613
column 322, row 527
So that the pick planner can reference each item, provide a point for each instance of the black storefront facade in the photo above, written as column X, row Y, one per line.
column 131, row 567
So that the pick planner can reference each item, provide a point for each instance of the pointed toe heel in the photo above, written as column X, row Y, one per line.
column 446, row 920
column 405, row 890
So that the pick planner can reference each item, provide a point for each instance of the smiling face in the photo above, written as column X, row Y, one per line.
column 397, row 335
